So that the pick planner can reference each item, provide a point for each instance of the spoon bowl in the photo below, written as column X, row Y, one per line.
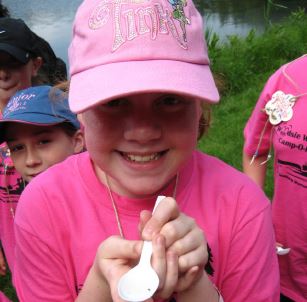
column 141, row 282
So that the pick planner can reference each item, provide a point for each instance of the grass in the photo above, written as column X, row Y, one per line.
column 6, row 287
column 241, row 67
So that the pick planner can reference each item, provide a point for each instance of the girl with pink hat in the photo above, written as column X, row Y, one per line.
column 139, row 82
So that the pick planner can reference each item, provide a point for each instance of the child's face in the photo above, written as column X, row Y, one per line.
column 142, row 140
column 36, row 148
column 14, row 76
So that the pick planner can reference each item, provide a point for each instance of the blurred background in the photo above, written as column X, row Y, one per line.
column 52, row 19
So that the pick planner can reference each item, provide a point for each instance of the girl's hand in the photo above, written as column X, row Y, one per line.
column 115, row 256
column 183, row 238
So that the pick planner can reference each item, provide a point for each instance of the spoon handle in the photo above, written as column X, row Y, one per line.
column 159, row 199
column 147, row 246
column 146, row 253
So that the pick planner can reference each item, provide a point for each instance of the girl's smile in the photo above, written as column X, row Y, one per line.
column 142, row 158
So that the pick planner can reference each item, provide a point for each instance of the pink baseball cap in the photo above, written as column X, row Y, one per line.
column 123, row 47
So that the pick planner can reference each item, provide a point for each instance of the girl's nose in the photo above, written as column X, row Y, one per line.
column 32, row 159
column 4, row 74
column 142, row 128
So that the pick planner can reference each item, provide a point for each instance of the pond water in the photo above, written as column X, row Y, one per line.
column 228, row 17
column 53, row 19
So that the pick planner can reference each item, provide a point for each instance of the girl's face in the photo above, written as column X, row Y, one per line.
column 141, row 141
column 35, row 148
column 15, row 76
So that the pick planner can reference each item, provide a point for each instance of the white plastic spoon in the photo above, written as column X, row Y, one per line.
column 141, row 282
column 282, row 251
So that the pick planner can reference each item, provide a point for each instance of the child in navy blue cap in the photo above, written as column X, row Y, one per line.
column 39, row 129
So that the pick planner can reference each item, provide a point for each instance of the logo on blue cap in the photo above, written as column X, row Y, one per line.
column 41, row 105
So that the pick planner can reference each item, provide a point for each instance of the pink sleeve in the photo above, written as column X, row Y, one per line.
column 39, row 274
column 3, row 298
column 251, row 273
column 257, row 121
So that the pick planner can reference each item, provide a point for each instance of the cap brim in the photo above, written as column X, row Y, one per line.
column 19, row 54
column 99, row 85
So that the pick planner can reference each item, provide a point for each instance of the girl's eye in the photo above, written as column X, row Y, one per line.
column 172, row 101
column 44, row 142
column 115, row 103
column 15, row 148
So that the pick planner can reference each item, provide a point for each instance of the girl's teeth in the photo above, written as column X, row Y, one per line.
column 142, row 159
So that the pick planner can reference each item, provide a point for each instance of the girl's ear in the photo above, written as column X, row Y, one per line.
column 78, row 141
column 37, row 63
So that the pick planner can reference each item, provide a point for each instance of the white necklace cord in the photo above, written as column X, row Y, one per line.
column 119, row 226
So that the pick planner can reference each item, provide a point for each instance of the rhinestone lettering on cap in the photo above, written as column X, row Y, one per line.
column 148, row 20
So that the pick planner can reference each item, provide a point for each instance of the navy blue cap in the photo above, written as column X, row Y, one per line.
column 17, row 39
column 40, row 105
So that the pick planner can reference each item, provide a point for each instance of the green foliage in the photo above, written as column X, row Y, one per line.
column 240, row 59
column 6, row 287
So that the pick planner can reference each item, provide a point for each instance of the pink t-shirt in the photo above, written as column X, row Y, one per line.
column 290, row 172
column 4, row 298
column 11, row 186
column 65, row 213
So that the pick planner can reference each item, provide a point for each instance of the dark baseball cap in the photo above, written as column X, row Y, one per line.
column 17, row 39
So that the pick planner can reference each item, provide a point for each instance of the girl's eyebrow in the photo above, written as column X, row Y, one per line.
column 34, row 133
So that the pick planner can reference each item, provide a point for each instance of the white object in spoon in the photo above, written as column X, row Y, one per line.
column 141, row 282
column 282, row 251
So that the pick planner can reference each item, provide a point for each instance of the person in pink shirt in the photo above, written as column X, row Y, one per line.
column 40, row 131
column 19, row 69
column 140, row 77
column 278, row 123
column 25, row 60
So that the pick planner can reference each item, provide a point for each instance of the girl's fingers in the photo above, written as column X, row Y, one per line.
column 159, row 258
column 177, row 228
column 171, row 276
column 116, row 247
column 197, row 257
column 184, row 238
column 167, row 210
column 115, row 256
column 191, row 241
column 166, row 266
